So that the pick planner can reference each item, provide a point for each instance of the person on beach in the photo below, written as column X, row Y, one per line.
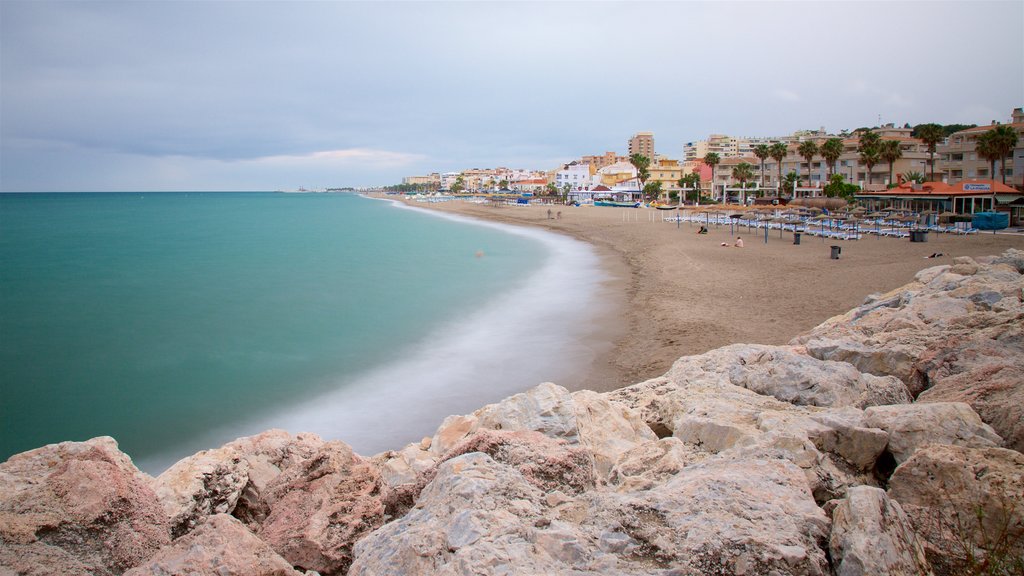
column 739, row 242
column 549, row 213
column 703, row 230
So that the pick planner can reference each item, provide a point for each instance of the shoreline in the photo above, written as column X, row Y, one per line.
column 682, row 294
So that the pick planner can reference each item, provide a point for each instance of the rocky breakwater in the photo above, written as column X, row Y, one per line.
column 885, row 441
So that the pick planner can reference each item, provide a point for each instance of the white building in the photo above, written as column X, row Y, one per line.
column 574, row 174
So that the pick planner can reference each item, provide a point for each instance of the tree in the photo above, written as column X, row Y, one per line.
column 551, row 189
column 691, row 183
column 838, row 187
column 778, row 151
column 762, row 152
column 831, row 150
column 743, row 172
column 1004, row 139
column 987, row 149
column 652, row 190
column 931, row 135
column 712, row 159
column 458, row 186
column 503, row 185
column 641, row 163
column 914, row 176
column 890, row 151
column 789, row 185
column 868, row 148
column 808, row 150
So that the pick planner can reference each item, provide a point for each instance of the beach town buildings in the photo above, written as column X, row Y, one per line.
column 607, row 159
column 642, row 143
column 960, row 159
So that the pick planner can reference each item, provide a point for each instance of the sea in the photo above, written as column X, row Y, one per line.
column 176, row 322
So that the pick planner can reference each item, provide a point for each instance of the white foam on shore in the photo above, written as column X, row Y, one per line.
column 546, row 329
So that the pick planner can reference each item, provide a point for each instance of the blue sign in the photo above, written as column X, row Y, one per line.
column 978, row 187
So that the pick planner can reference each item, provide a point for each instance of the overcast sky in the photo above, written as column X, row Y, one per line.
column 270, row 95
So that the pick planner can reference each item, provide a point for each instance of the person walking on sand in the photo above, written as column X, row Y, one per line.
column 739, row 242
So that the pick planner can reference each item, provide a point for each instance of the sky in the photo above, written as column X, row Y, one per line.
column 246, row 95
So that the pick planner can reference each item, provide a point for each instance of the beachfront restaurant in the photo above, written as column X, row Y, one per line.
column 964, row 197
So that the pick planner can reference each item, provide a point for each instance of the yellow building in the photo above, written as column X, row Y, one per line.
column 668, row 172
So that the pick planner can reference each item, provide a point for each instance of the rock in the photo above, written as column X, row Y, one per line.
column 481, row 516
column 77, row 508
column 986, row 372
column 843, row 433
column 653, row 463
column 544, row 462
column 871, row 536
column 220, row 545
column 912, row 426
column 790, row 376
column 608, row 429
column 961, row 500
column 229, row 479
column 320, row 506
column 546, row 408
column 953, row 335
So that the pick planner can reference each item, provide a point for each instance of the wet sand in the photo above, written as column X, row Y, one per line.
column 681, row 293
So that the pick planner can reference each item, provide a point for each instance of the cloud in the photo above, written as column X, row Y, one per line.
column 346, row 157
column 786, row 95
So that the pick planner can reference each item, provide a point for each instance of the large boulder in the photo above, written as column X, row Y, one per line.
column 966, row 504
column 913, row 426
column 790, row 375
column 320, row 506
column 230, row 479
column 985, row 371
column 954, row 334
column 871, row 536
column 482, row 516
column 77, row 508
column 220, row 545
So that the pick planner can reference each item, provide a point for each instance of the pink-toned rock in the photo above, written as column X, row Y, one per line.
column 229, row 479
column 77, row 508
column 985, row 371
column 871, row 536
column 320, row 506
column 221, row 545
column 545, row 462
column 963, row 500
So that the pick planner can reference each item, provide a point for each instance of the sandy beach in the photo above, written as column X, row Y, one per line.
column 683, row 293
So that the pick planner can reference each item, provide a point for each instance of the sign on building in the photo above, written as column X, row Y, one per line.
column 978, row 187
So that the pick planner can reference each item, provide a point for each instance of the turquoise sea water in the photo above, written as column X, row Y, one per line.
column 176, row 322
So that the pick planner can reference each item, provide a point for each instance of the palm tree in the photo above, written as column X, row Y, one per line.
column 831, row 150
column 762, row 152
column 778, row 151
column 712, row 159
column 1005, row 139
column 691, row 181
column 931, row 135
column 743, row 172
column 868, row 148
column 890, row 151
column 641, row 163
column 808, row 150
column 988, row 149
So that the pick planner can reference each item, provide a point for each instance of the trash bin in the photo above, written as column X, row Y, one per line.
column 835, row 252
column 796, row 238
column 918, row 235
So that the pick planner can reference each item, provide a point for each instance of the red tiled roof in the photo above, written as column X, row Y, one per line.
column 1017, row 125
column 943, row 189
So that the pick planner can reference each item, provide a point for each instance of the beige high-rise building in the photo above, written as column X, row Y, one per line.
column 642, row 143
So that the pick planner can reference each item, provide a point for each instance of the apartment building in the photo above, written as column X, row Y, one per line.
column 668, row 172
column 642, row 143
column 957, row 158
column 576, row 174
column 607, row 159
column 732, row 147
